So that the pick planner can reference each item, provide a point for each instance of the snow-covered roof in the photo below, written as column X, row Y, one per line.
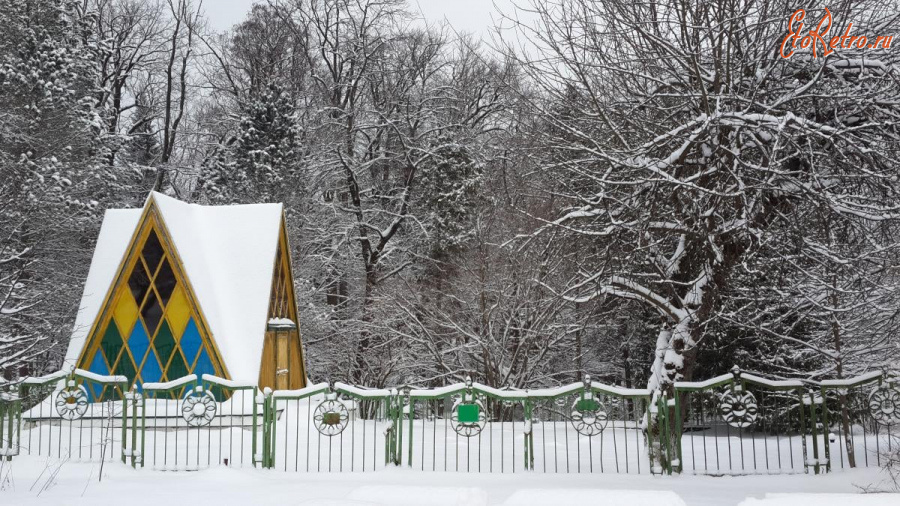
column 228, row 255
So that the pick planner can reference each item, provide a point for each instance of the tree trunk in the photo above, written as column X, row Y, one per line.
column 842, row 397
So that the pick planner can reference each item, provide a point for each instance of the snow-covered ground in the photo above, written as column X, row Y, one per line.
column 35, row 480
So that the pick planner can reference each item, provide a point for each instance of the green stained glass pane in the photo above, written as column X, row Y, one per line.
column 126, row 368
column 111, row 343
column 164, row 344
column 177, row 369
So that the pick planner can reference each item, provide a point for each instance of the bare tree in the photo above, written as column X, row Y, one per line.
column 691, row 146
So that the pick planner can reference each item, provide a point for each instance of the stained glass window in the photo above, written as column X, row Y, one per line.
column 150, row 332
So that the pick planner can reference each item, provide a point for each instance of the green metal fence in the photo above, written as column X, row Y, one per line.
column 74, row 415
column 737, row 423
column 741, row 423
column 582, row 427
column 192, row 423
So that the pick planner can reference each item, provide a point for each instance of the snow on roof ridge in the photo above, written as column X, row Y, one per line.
column 157, row 196
column 232, row 289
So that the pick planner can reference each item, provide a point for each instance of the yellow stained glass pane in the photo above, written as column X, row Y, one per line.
column 178, row 311
column 125, row 313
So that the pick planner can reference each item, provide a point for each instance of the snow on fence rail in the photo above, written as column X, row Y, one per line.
column 735, row 423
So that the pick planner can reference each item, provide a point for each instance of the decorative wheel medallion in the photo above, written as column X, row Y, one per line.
column 331, row 416
column 198, row 407
column 72, row 402
column 468, row 418
column 738, row 409
column 588, row 416
column 884, row 404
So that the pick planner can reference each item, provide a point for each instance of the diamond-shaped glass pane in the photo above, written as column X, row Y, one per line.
column 152, row 251
column 152, row 312
column 177, row 368
column 178, row 311
column 111, row 343
column 150, row 371
column 204, row 365
column 139, row 282
column 190, row 342
column 138, row 343
column 126, row 368
column 165, row 282
column 125, row 313
column 98, row 366
column 164, row 344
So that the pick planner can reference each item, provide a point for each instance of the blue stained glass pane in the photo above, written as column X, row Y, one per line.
column 98, row 366
column 204, row 365
column 151, row 372
column 138, row 342
column 190, row 342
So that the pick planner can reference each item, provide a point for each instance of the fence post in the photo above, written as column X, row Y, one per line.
column 813, row 425
column 266, row 459
column 131, row 403
column 412, row 411
column 396, row 440
column 803, row 444
column 255, row 438
column 10, row 423
column 123, row 395
column 529, row 436
column 273, row 416
column 679, row 426
column 144, row 427
column 389, row 432
column 826, row 431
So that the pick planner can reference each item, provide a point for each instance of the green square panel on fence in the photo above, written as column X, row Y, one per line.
column 468, row 413
column 587, row 405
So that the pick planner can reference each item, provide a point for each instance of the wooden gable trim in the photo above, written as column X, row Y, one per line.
column 269, row 353
column 106, row 306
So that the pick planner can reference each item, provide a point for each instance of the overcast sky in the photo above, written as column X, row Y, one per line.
column 464, row 15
